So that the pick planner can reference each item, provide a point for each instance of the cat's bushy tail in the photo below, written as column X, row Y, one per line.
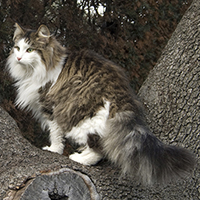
column 137, row 151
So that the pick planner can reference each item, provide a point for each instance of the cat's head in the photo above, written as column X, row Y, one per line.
column 34, row 50
column 31, row 46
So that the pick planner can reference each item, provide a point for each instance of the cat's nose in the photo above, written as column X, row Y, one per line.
column 19, row 58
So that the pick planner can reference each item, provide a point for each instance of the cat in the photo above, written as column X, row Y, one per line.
column 85, row 97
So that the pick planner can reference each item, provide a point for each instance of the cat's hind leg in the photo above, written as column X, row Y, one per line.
column 87, row 157
column 91, row 154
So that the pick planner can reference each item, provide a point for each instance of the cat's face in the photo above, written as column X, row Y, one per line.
column 30, row 44
column 28, row 54
column 25, row 54
column 35, row 53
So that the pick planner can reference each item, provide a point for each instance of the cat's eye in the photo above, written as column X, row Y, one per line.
column 29, row 50
column 16, row 47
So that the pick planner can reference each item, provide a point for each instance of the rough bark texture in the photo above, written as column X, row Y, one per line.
column 171, row 95
column 171, row 92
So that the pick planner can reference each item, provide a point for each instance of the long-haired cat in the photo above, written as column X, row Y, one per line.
column 83, row 96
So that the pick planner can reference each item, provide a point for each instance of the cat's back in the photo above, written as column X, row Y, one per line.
column 86, row 81
column 87, row 63
column 92, row 73
column 87, row 78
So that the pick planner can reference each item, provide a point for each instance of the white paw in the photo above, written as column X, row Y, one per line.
column 87, row 157
column 77, row 158
column 53, row 149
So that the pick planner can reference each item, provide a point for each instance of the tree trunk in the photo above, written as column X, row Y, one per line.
column 171, row 96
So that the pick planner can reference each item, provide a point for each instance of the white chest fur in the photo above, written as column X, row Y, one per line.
column 28, row 96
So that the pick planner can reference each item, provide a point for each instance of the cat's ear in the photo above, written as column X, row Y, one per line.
column 18, row 31
column 43, row 34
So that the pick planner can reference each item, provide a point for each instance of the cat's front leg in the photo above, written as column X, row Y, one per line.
column 87, row 157
column 56, row 138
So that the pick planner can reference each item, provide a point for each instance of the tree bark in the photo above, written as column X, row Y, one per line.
column 171, row 96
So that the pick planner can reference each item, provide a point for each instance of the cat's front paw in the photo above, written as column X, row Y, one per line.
column 53, row 149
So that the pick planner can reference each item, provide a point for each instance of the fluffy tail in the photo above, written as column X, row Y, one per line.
column 131, row 146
